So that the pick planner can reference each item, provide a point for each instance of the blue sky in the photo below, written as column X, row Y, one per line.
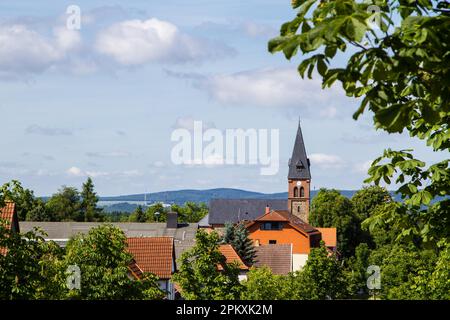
column 104, row 100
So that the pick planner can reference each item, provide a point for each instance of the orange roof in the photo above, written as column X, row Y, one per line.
column 7, row 218
column 286, row 216
column 328, row 236
column 231, row 256
column 7, row 213
column 272, row 216
column 152, row 254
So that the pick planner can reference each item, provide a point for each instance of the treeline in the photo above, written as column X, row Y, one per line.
column 409, row 267
column 191, row 212
column 70, row 204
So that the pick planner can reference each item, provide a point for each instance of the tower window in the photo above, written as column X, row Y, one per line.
column 298, row 209
column 295, row 192
column 302, row 192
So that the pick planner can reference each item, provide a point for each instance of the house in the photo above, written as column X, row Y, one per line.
column 278, row 221
column 282, row 227
column 183, row 234
column 231, row 256
column 154, row 255
column 9, row 219
column 277, row 257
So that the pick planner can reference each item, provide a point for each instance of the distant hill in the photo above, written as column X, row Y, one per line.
column 182, row 196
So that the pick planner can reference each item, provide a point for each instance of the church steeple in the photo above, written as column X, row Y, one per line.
column 299, row 179
column 299, row 162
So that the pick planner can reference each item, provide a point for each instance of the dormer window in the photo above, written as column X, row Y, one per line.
column 271, row 226
column 299, row 165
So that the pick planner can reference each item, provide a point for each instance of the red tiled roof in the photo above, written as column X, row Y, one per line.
column 7, row 213
column 328, row 236
column 277, row 257
column 231, row 256
column 7, row 219
column 152, row 254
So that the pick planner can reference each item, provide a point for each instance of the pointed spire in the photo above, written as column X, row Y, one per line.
column 299, row 162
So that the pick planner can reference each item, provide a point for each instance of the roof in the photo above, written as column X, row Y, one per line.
column 204, row 222
column 60, row 232
column 235, row 210
column 152, row 254
column 299, row 162
column 284, row 215
column 8, row 217
column 277, row 257
column 329, row 236
column 7, row 214
column 231, row 256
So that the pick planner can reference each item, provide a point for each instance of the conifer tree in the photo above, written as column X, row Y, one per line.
column 89, row 202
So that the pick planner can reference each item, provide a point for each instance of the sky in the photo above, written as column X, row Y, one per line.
column 104, row 100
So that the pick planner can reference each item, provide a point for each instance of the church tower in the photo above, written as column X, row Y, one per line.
column 299, row 179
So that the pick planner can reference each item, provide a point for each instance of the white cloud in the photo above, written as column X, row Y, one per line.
column 25, row 51
column 326, row 161
column 75, row 172
column 135, row 42
column 362, row 167
column 271, row 88
column 254, row 29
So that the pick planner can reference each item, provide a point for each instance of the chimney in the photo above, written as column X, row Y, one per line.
column 172, row 220
column 267, row 209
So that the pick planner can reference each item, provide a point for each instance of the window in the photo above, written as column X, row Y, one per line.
column 272, row 241
column 271, row 226
column 295, row 192
column 302, row 192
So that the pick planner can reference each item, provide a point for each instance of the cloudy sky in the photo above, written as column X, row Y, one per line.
column 104, row 100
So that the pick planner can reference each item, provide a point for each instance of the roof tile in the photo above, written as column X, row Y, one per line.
column 153, row 254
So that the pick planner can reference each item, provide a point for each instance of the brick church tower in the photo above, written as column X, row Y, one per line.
column 299, row 179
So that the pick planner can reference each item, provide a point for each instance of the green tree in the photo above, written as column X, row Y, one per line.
column 401, row 74
column 138, row 215
column 199, row 276
column 103, row 261
column 30, row 267
column 238, row 236
column 39, row 212
column 365, row 201
column 23, row 198
column 331, row 209
column 262, row 284
column 357, row 270
column 65, row 205
column 228, row 233
column 321, row 278
column 89, row 201
column 156, row 213
column 399, row 265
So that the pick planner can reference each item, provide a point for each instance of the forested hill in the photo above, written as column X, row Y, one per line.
column 182, row 196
